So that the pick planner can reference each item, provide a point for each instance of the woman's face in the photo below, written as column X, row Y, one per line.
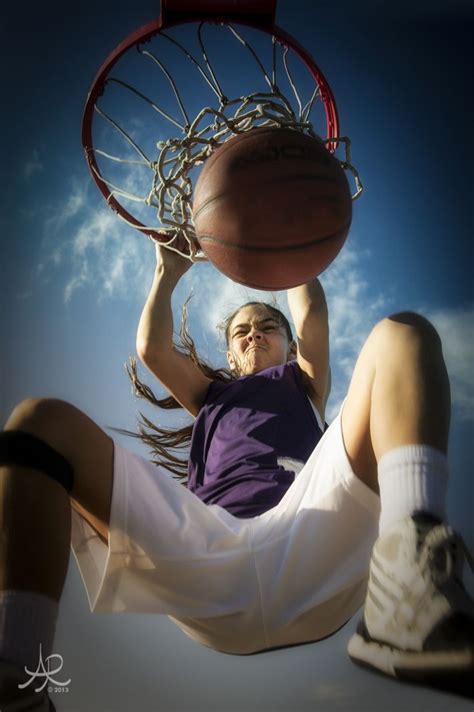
column 257, row 341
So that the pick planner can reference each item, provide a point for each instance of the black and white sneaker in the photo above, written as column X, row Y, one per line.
column 418, row 621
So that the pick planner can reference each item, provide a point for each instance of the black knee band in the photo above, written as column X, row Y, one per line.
column 26, row 450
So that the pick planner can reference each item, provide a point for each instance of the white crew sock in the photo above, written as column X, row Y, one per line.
column 412, row 478
column 27, row 618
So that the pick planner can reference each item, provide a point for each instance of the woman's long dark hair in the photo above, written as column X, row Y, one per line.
column 167, row 444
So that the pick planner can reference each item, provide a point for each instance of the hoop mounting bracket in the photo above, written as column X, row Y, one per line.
column 259, row 11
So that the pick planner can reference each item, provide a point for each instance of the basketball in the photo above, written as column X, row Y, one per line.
column 272, row 208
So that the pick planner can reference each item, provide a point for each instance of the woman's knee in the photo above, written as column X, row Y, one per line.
column 82, row 444
column 57, row 423
column 407, row 325
column 26, row 441
column 41, row 416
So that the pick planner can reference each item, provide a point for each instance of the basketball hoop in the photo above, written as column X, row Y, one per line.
column 145, row 150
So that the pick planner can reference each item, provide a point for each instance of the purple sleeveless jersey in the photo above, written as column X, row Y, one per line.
column 243, row 428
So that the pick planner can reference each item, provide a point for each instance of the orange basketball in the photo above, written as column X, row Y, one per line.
column 272, row 208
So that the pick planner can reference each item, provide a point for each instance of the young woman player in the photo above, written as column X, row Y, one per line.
column 271, row 542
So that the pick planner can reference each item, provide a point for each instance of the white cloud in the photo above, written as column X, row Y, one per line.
column 353, row 312
column 102, row 251
column 75, row 202
column 110, row 257
column 56, row 245
column 96, row 248
column 33, row 166
column 115, row 261
column 456, row 329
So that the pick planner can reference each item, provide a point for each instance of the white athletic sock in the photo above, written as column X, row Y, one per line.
column 412, row 478
column 27, row 619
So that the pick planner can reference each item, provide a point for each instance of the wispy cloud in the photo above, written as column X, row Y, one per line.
column 94, row 248
column 101, row 252
column 456, row 329
column 108, row 256
column 57, row 227
column 353, row 311
column 34, row 165
column 66, row 211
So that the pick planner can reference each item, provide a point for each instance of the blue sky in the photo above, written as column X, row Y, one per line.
column 75, row 279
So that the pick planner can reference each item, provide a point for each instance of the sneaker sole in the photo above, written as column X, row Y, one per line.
column 406, row 664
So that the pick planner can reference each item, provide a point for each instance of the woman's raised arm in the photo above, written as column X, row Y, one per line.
column 310, row 316
column 176, row 371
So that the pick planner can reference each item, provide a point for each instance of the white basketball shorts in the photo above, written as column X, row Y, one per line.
column 294, row 574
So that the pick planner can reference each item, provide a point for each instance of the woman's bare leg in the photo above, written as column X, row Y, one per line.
column 418, row 621
column 36, row 511
column 399, row 394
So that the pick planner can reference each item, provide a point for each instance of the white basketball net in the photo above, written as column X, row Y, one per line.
column 171, row 184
